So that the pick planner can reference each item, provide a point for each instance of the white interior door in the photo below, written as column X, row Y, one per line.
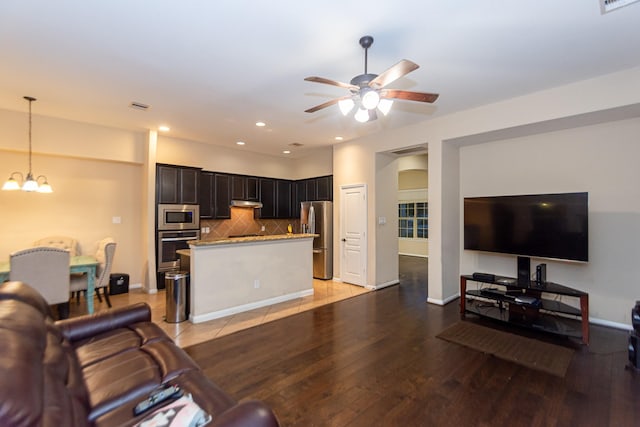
column 353, row 239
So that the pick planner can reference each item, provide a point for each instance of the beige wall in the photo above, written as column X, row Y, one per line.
column 231, row 160
column 99, row 172
column 87, row 195
column 601, row 100
column 412, row 179
column 600, row 159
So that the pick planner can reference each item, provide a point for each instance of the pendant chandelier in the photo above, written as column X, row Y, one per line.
column 29, row 183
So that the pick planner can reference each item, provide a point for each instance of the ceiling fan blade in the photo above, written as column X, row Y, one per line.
column 331, row 82
column 396, row 71
column 326, row 104
column 409, row 96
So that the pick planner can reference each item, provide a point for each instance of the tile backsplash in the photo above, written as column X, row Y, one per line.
column 243, row 222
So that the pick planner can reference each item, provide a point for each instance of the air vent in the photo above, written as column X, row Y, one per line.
column 139, row 106
column 609, row 5
column 412, row 150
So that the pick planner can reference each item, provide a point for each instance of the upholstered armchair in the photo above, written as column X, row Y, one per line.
column 61, row 242
column 46, row 270
column 105, row 253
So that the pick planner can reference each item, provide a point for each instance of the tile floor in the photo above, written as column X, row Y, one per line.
column 187, row 333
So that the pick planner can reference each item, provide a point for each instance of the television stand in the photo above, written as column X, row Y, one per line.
column 506, row 300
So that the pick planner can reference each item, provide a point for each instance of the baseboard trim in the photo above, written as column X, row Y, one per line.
column 610, row 324
column 444, row 301
column 246, row 307
column 382, row 285
column 413, row 255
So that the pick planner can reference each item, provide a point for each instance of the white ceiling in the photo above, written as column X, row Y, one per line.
column 211, row 69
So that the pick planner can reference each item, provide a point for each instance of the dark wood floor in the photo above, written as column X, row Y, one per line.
column 374, row 360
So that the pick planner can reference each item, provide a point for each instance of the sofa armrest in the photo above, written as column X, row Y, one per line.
column 78, row 328
column 252, row 413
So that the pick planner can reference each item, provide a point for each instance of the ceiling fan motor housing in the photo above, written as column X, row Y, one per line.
column 363, row 80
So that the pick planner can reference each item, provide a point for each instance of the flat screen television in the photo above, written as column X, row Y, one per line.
column 536, row 225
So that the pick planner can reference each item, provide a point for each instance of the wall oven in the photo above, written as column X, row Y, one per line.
column 169, row 242
column 178, row 217
column 177, row 224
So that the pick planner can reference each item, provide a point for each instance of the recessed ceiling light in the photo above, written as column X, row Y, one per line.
column 240, row 142
column 338, row 138
column 261, row 124
column 164, row 128
column 286, row 152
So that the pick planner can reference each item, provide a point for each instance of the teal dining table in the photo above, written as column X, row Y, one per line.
column 85, row 264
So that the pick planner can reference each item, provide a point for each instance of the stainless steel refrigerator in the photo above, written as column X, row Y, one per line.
column 317, row 218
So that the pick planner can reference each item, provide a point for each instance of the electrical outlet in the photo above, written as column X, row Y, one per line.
column 256, row 284
column 262, row 228
column 116, row 220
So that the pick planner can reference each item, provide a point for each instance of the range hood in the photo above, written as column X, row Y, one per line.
column 245, row 204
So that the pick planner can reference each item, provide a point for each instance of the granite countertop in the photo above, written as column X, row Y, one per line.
column 247, row 239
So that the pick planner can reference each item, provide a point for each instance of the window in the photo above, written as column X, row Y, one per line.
column 413, row 220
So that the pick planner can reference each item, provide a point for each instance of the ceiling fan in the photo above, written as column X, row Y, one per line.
column 368, row 91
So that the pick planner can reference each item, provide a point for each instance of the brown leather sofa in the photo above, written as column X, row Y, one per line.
column 93, row 370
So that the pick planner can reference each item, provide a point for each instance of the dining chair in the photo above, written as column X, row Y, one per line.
column 62, row 242
column 46, row 270
column 105, row 253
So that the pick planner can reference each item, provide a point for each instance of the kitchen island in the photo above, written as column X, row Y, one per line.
column 231, row 275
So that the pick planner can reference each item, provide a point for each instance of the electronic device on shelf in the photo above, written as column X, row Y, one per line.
column 484, row 277
column 492, row 292
column 506, row 281
column 527, row 299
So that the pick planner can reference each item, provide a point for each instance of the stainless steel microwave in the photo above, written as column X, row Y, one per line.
column 178, row 217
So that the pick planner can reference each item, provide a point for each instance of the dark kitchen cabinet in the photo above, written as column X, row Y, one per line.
column 238, row 187
column 177, row 184
column 206, row 199
column 244, row 187
column 311, row 190
column 253, row 188
column 284, row 203
column 299, row 194
column 268, row 198
column 222, row 196
column 324, row 188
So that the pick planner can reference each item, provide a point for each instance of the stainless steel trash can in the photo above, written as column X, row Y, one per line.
column 176, row 288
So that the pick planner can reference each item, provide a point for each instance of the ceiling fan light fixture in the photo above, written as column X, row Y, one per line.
column 385, row 106
column 346, row 105
column 362, row 115
column 370, row 98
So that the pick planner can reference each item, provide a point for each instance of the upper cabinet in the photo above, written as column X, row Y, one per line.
column 268, row 198
column 222, row 197
column 324, row 188
column 207, row 185
column 177, row 184
column 215, row 195
column 244, row 187
column 284, row 199
column 312, row 189
column 214, row 191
